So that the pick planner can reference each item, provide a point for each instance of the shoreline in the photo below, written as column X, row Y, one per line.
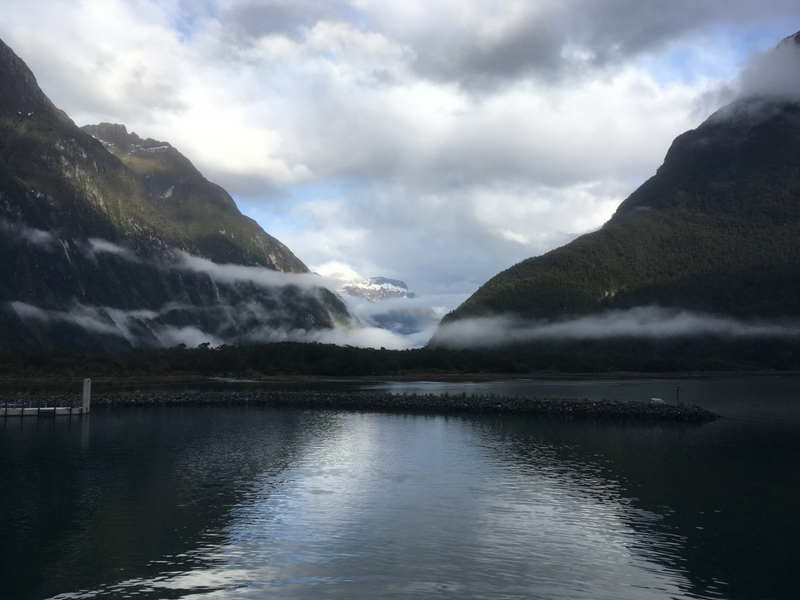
column 443, row 404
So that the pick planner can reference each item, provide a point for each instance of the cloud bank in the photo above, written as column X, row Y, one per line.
column 147, row 328
column 114, row 322
column 642, row 322
column 774, row 73
column 248, row 321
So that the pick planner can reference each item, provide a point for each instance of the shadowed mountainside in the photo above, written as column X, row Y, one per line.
column 105, row 251
column 714, row 231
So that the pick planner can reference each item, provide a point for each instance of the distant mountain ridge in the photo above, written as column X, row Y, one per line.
column 402, row 320
column 120, row 245
column 376, row 289
column 715, row 230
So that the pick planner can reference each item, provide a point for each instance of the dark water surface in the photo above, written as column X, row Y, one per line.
column 249, row 502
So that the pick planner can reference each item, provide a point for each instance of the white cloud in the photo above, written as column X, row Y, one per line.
column 359, row 336
column 337, row 270
column 130, row 325
column 774, row 73
column 103, row 320
column 446, row 141
column 101, row 246
column 119, row 323
column 191, row 336
column 38, row 237
column 261, row 276
column 643, row 322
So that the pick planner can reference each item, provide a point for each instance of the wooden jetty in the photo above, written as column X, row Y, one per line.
column 52, row 409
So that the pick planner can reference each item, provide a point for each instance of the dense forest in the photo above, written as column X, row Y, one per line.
column 715, row 231
column 708, row 354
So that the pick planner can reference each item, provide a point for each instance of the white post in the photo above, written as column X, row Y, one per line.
column 87, row 396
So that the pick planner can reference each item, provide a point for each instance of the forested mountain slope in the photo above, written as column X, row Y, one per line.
column 99, row 251
column 716, row 230
column 204, row 214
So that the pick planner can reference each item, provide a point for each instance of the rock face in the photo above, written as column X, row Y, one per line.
column 715, row 230
column 115, row 244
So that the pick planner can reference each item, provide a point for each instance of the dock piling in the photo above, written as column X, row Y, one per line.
column 87, row 396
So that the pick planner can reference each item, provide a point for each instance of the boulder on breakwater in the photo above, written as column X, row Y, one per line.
column 419, row 403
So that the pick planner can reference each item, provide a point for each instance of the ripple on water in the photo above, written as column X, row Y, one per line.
column 386, row 506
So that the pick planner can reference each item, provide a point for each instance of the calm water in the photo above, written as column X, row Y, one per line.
column 253, row 502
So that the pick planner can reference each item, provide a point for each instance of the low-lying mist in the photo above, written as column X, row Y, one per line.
column 642, row 322
column 249, row 305
column 236, row 317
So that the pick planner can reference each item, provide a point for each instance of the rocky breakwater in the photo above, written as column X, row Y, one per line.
column 421, row 403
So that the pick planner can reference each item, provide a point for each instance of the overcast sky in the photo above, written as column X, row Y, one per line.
column 438, row 142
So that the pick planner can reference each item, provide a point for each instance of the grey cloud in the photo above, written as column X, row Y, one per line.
column 775, row 73
column 92, row 318
column 535, row 46
column 115, row 322
column 642, row 322
column 191, row 336
column 261, row 276
column 710, row 101
column 74, row 67
column 551, row 40
column 429, row 237
column 37, row 237
column 283, row 17
column 248, row 185
column 536, row 38
column 132, row 325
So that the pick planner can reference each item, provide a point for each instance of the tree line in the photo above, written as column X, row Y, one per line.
column 688, row 354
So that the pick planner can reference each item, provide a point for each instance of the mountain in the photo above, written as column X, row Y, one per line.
column 402, row 320
column 376, row 289
column 122, row 242
column 203, row 213
column 715, row 230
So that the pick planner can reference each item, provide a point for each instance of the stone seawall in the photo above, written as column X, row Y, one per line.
column 416, row 403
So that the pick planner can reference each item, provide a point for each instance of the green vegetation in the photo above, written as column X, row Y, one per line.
column 715, row 230
column 56, row 177
column 297, row 359
column 202, row 212
column 61, row 189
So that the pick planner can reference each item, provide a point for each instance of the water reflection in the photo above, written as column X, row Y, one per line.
column 395, row 507
column 148, row 486
column 241, row 502
column 723, row 494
